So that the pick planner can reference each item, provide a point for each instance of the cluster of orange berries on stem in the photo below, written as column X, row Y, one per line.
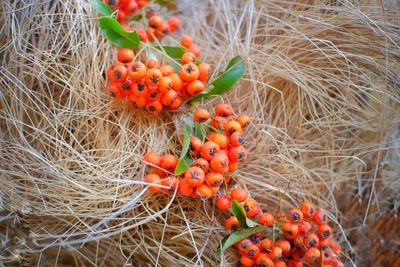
column 126, row 8
column 213, row 159
column 299, row 238
column 156, row 86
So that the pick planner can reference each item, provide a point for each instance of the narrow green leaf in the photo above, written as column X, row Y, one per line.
column 117, row 35
column 201, row 130
column 233, row 72
column 237, row 236
column 239, row 212
column 184, row 161
column 102, row 7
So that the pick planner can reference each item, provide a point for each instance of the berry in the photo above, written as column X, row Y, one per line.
column 166, row 70
column 232, row 126
column 311, row 241
column 244, row 120
column 168, row 163
column 153, row 179
column 204, row 71
column 251, row 207
column 252, row 251
column 232, row 224
column 219, row 163
column 266, row 219
column 153, row 77
column 264, row 260
column 185, row 189
column 295, row 215
column 209, row 149
column 307, row 209
column 246, row 261
column 154, row 107
column 239, row 194
column 169, row 97
column 324, row 231
column 284, row 245
column 202, row 164
column 174, row 23
column 290, row 230
column 266, row 243
column 223, row 202
column 201, row 115
column 137, row 71
column 320, row 217
column 140, row 89
column 156, row 22
column 152, row 158
column 312, row 255
column 117, row 73
column 236, row 139
column 186, row 41
column 218, row 122
column 194, row 146
column 237, row 154
column 223, row 110
column 220, row 139
column 188, row 57
column 125, row 55
column 171, row 183
column 189, row 72
column 214, row 179
column 204, row 191
column 276, row 253
column 195, row 87
column 194, row 176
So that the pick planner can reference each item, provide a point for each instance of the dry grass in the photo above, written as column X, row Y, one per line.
column 322, row 84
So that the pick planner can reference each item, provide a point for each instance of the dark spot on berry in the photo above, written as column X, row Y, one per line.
column 246, row 208
column 113, row 94
column 125, row 87
column 240, row 155
column 311, row 210
column 154, row 79
column 191, row 148
column 324, row 218
column 212, row 152
column 295, row 217
column 326, row 255
column 152, row 108
column 251, row 253
column 153, row 95
column 240, row 140
column 312, row 243
column 202, row 120
column 134, row 67
column 234, row 227
column 231, row 131
column 118, row 75
column 189, row 69
column 245, row 125
column 325, row 234
column 140, row 87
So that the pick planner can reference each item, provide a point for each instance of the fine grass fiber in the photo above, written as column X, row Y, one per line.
column 321, row 84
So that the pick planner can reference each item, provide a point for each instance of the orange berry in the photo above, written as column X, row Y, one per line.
column 194, row 146
column 312, row 255
column 290, row 230
column 232, row 166
column 276, row 253
column 236, row 139
column 142, row 34
column 324, row 231
column 153, row 179
column 266, row 243
column 176, row 103
column 177, row 82
column 244, row 120
column 195, row 87
column 218, row 123
column 169, row 97
column 252, row 208
column 223, row 202
column 266, row 219
column 252, row 251
column 214, row 179
column 326, row 257
column 239, row 194
column 152, row 158
column 232, row 126
column 194, row 176
column 166, row 84
column 202, row 164
column 136, row 71
column 320, row 217
column 125, row 55
column 166, row 70
column 279, row 264
column 125, row 87
column 204, row 71
column 153, row 63
column 164, row 31
column 117, row 73
column 219, row 163
column 264, row 260
column 232, row 224
column 140, row 89
column 246, row 261
column 153, row 77
column 304, row 227
column 284, row 245
column 114, row 91
column 154, row 107
column 168, row 163
column 186, row 41
column 188, row 57
column 323, row 244
column 209, row 149
column 184, row 189
column 204, row 191
column 223, row 110
column 295, row 215
column 311, row 241
column 139, row 101
column 307, row 209
column 189, row 72
column 243, row 244
column 174, row 23
column 237, row 154
column 201, row 115
column 153, row 95
column 221, row 140
column 171, row 183
column 195, row 49
column 156, row 22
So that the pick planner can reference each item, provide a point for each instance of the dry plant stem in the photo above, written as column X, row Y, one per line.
column 321, row 84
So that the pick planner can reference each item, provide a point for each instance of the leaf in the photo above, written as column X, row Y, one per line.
column 172, row 51
column 117, row 35
column 233, row 72
column 239, row 212
column 201, row 130
column 184, row 161
column 102, row 7
column 237, row 236
column 251, row 223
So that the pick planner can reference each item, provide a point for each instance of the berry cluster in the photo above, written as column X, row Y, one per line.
column 126, row 8
column 155, row 86
column 213, row 159
column 300, row 237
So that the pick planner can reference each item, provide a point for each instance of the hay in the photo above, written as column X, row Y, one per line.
column 322, row 84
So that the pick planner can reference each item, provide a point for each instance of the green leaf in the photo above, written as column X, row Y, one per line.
column 185, row 161
column 233, row 72
column 239, row 212
column 102, row 7
column 237, row 236
column 251, row 223
column 172, row 51
column 201, row 130
column 117, row 35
